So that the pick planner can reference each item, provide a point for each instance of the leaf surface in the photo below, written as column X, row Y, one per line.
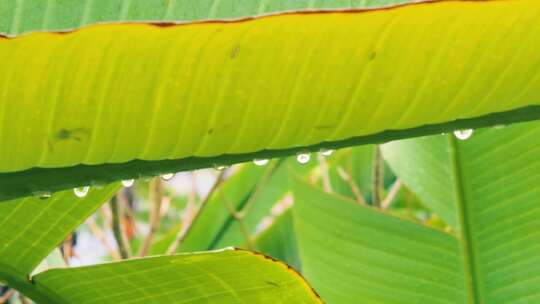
column 31, row 227
column 228, row 276
column 132, row 99
column 486, row 188
column 41, row 15
column 353, row 253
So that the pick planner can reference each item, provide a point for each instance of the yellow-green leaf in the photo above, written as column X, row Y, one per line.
column 228, row 276
column 115, row 101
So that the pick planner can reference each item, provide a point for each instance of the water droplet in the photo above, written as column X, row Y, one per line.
column 81, row 191
column 327, row 152
column 303, row 157
column 42, row 194
column 128, row 182
column 167, row 176
column 260, row 162
column 498, row 127
column 220, row 167
column 463, row 134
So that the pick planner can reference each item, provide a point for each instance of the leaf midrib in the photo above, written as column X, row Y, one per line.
column 27, row 182
column 465, row 239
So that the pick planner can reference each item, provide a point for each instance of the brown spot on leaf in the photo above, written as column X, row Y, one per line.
column 75, row 134
column 234, row 52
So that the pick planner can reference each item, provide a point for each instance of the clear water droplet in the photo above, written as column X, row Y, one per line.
column 463, row 134
column 498, row 127
column 43, row 194
column 167, row 176
column 303, row 157
column 260, row 162
column 81, row 191
column 128, row 182
column 327, row 152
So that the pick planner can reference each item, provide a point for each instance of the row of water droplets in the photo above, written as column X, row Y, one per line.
column 302, row 158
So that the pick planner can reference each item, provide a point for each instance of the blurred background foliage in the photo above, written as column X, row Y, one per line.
column 245, row 205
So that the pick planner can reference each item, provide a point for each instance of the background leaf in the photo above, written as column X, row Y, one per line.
column 50, row 16
column 486, row 187
column 351, row 252
column 33, row 227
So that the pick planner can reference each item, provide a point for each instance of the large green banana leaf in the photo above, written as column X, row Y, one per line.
column 31, row 15
column 228, row 276
column 117, row 101
column 490, row 183
column 486, row 187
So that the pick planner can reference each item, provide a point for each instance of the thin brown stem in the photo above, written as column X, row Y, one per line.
column 67, row 248
column 391, row 197
column 239, row 218
column 97, row 232
column 116, row 226
column 354, row 188
column 23, row 299
column 156, row 198
column 327, row 186
column 377, row 177
column 240, row 215
column 187, row 225
column 255, row 193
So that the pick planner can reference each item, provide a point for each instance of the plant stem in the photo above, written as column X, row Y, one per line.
column 252, row 198
column 187, row 225
column 354, row 188
column 239, row 217
column 378, row 176
column 117, row 228
column 23, row 299
column 156, row 197
column 100, row 236
column 391, row 196
column 327, row 186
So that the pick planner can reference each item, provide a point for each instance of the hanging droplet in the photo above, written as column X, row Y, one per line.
column 303, row 157
column 167, row 176
column 81, row 191
column 463, row 134
column 327, row 152
column 220, row 167
column 260, row 162
column 128, row 183
column 42, row 194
